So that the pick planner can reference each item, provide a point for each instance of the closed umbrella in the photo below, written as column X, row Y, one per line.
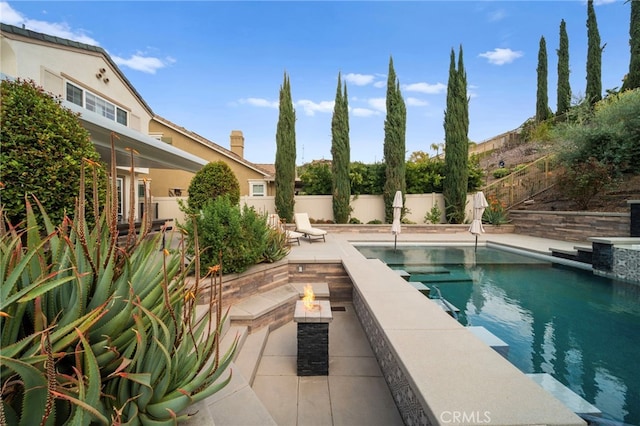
column 479, row 204
column 397, row 213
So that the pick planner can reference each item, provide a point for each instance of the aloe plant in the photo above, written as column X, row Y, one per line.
column 97, row 329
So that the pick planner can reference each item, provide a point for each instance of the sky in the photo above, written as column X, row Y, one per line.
column 214, row 66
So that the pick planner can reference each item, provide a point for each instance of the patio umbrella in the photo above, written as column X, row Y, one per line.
column 397, row 213
column 479, row 204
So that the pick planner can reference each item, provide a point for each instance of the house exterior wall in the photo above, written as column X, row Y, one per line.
column 163, row 181
column 50, row 66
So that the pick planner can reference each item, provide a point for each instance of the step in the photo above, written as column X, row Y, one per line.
column 441, row 278
column 233, row 405
column 445, row 306
column 271, row 308
column 320, row 290
column 403, row 274
column 248, row 360
column 569, row 398
column 427, row 270
column 491, row 340
column 420, row 287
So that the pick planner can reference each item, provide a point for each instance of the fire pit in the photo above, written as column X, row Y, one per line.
column 313, row 318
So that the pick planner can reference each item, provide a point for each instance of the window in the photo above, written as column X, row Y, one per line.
column 95, row 103
column 258, row 189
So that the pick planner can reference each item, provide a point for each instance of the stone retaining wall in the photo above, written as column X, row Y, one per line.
column 570, row 226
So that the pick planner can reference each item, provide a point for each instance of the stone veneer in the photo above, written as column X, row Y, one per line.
column 617, row 258
column 570, row 226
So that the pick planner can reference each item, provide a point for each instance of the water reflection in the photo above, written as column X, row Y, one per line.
column 580, row 328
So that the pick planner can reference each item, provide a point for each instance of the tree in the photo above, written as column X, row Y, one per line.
column 456, row 147
column 44, row 150
column 212, row 181
column 594, row 57
column 564, row 87
column 394, row 142
column 340, row 151
column 632, row 80
column 542, row 99
column 316, row 178
column 285, row 154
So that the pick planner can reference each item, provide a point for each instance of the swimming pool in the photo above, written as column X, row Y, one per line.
column 582, row 329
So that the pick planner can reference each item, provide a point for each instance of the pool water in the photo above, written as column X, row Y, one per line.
column 582, row 329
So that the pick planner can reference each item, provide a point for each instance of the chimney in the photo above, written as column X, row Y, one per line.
column 237, row 143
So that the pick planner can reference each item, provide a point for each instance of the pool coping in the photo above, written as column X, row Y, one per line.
column 436, row 369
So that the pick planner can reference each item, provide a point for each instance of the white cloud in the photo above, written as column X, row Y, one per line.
column 416, row 102
column 379, row 104
column 497, row 15
column 138, row 62
column 430, row 89
column 601, row 2
column 58, row 29
column 363, row 112
column 310, row 107
column 359, row 79
column 380, row 84
column 499, row 56
column 259, row 102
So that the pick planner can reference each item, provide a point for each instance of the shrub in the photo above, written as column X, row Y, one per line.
column 433, row 216
column 501, row 172
column 276, row 247
column 582, row 181
column 375, row 222
column 354, row 221
column 212, row 181
column 496, row 213
column 44, row 148
column 238, row 235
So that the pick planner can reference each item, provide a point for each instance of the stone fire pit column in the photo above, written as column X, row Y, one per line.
column 313, row 337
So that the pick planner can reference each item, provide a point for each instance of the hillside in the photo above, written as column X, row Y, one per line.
column 612, row 200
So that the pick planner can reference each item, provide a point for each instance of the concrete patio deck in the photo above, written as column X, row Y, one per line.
column 355, row 392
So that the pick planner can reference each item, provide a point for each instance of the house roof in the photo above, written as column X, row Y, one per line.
column 214, row 146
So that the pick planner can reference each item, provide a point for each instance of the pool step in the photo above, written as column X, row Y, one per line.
column 583, row 254
column 565, row 395
column 445, row 305
column 441, row 278
column 427, row 270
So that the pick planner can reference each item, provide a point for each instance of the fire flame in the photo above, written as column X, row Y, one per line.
column 309, row 297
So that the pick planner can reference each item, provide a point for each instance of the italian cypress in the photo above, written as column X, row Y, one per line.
column 542, row 99
column 632, row 80
column 340, row 151
column 394, row 143
column 456, row 148
column 564, row 87
column 594, row 57
column 285, row 154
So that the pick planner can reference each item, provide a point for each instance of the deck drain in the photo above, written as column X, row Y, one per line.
column 338, row 308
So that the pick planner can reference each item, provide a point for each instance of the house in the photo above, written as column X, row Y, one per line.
column 91, row 84
column 254, row 179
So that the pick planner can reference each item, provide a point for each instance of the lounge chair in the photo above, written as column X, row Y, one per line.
column 304, row 226
column 274, row 222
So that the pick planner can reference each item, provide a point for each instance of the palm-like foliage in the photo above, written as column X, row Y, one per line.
column 96, row 331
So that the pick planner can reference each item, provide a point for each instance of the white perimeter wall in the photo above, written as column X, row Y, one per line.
column 319, row 207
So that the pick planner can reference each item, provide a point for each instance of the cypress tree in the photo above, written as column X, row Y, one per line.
column 394, row 143
column 632, row 80
column 340, row 151
column 564, row 87
column 456, row 128
column 594, row 57
column 285, row 154
column 542, row 99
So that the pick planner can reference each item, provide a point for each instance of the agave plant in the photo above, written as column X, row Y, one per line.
column 97, row 330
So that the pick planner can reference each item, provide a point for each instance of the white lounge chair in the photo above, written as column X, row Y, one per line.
column 275, row 222
column 304, row 226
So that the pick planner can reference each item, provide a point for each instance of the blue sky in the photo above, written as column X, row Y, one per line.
column 213, row 67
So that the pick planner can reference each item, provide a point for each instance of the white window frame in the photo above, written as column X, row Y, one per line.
column 257, row 183
column 98, row 104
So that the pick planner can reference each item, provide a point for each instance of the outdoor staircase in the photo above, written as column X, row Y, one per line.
column 523, row 184
column 250, row 321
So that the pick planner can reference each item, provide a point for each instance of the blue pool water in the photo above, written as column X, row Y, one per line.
column 582, row 329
